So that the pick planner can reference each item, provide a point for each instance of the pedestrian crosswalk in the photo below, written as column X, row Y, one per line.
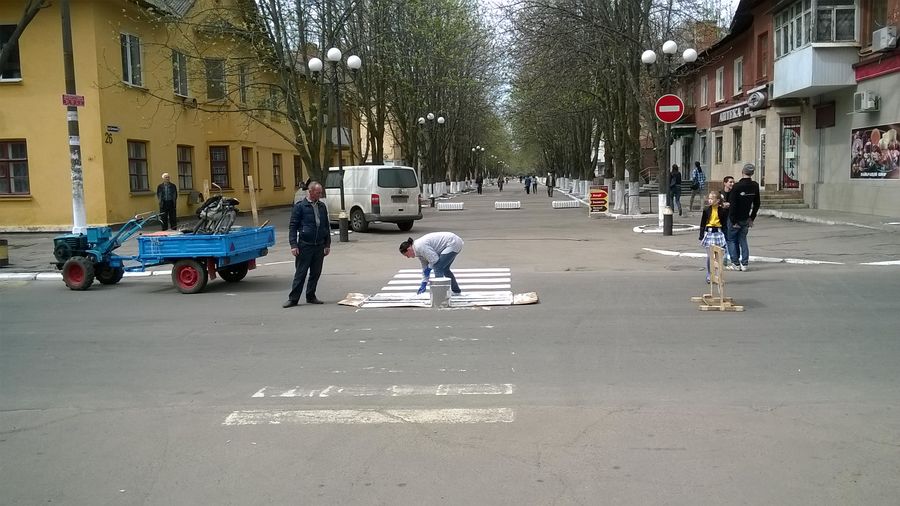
column 479, row 286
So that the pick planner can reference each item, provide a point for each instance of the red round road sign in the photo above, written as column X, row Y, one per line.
column 669, row 108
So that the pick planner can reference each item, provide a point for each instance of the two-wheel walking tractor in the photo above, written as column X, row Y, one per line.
column 196, row 258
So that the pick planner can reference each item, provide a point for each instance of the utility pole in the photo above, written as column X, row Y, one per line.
column 79, row 222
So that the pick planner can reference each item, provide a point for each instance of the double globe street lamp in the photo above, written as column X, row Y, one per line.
column 664, row 75
column 476, row 151
column 427, row 123
column 316, row 66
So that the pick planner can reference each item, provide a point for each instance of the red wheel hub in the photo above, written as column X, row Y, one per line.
column 188, row 276
column 76, row 273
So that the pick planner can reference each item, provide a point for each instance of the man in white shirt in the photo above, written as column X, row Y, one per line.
column 437, row 251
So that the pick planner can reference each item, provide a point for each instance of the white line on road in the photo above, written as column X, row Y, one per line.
column 455, row 270
column 461, row 280
column 802, row 261
column 365, row 416
column 461, row 285
column 389, row 391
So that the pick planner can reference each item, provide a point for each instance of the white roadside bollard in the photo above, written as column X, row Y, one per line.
column 439, row 288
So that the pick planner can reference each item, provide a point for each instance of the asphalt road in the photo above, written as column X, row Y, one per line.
column 614, row 389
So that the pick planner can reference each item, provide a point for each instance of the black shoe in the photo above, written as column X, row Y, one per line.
column 314, row 300
column 289, row 303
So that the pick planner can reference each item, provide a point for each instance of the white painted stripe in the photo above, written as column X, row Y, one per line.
column 773, row 260
column 459, row 279
column 669, row 108
column 367, row 416
column 279, row 263
column 16, row 276
column 662, row 252
column 461, row 285
column 803, row 261
column 455, row 270
column 456, row 273
column 388, row 391
column 886, row 262
column 42, row 276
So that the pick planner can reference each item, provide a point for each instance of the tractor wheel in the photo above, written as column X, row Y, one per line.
column 405, row 226
column 358, row 221
column 234, row 273
column 107, row 275
column 189, row 276
column 78, row 273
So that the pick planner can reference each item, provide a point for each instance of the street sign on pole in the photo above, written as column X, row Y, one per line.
column 72, row 100
column 669, row 108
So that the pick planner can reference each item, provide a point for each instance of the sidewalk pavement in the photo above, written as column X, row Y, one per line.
column 33, row 252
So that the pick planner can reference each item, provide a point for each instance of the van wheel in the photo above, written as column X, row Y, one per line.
column 358, row 221
column 405, row 226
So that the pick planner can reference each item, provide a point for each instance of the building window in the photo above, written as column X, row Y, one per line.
column 218, row 166
column 246, row 155
column 179, row 73
column 186, row 167
column 275, row 103
column 718, row 147
column 138, row 179
column 835, row 21
column 132, row 72
column 793, row 28
column 875, row 17
column 276, row 170
column 720, row 84
column 215, row 79
column 12, row 69
column 704, row 142
column 738, row 77
column 242, row 83
column 13, row 168
column 704, row 90
column 762, row 57
column 737, row 146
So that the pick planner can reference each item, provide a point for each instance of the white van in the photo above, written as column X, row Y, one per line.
column 374, row 193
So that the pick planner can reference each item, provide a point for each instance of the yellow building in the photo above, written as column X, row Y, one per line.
column 163, row 82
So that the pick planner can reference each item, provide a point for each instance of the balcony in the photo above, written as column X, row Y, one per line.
column 814, row 70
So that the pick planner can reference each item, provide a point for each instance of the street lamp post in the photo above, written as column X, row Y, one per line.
column 333, row 56
column 664, row 74
column 477, row 150
column 427, row 123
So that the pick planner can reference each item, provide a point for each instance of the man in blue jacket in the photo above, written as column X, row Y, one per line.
column 310, row 239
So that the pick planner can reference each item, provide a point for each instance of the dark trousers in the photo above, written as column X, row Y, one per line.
column 167, row 215
column 479, row 187
column 309, row 261
column 549, row 190
column 442, row 269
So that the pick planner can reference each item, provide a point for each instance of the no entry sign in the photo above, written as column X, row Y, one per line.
column 669, row 108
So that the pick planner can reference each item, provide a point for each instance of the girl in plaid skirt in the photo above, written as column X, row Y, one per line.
column 711, row 227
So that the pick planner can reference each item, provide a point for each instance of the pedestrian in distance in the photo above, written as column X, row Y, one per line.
column 675, row 187
column 527, row 184
column 167, row 196
column 310, row 238
column 744, row 204
column 724, row 216
column 711, row 227
column 551, row 183
column 534, row 182
column 500, row 183
column 698, row 185
column 479, row 183
column 436, row 251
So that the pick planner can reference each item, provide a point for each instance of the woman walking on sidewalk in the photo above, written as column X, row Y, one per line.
column 675, row 187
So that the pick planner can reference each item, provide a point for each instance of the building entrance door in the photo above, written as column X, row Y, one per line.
column 789, row 164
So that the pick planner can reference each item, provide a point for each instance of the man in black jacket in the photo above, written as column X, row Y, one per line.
column 743, row 205
column 310, row 239
column 167, row 196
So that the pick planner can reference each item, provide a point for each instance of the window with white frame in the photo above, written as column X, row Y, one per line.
column 138, row 174
column 179, row 73
column 218, row 166
column 12, row 69
column 132, row 68
column 215, row 79
column 793, row 27
column 13, row 167
column 738, row 77
column 720, row 84
column 737, row 148
column 719, row 147
column 704, row 90
column 835, row 20
column 185, row 167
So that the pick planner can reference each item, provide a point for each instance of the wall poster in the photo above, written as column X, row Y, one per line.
column 875, row 152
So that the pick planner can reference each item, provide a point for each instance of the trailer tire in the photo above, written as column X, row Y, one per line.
column 234, row 273
column 189, row 276
column 107, row 275
column 78, row 273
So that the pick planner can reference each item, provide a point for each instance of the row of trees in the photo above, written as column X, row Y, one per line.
column 581, row 99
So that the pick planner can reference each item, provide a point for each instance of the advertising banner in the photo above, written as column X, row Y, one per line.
column 875, row 152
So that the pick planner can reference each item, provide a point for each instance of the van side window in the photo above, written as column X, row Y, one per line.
column 397, row 178
column 333, row 180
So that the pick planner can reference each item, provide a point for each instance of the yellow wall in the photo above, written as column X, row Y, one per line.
column 32, row 110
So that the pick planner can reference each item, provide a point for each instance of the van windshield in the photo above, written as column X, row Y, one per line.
column 397, row 178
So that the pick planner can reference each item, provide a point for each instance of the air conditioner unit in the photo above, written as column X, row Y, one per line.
column 884, row 39
column 865, row 101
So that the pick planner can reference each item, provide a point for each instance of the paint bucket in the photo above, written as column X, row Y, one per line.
column 4, row 253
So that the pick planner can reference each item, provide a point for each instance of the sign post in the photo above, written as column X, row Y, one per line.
column 669, row 109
